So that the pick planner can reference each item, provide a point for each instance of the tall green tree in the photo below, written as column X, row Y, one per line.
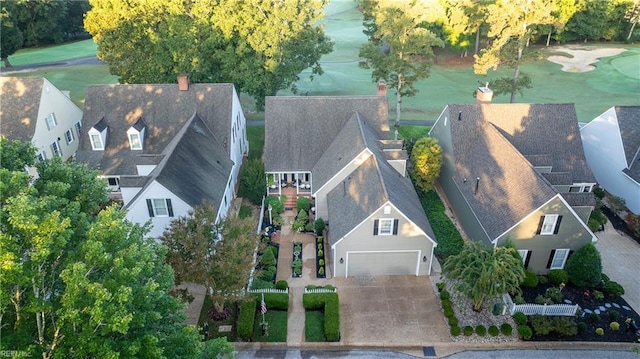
column 632, row 15
column 400, row 47
column 10, row 35
column 77, row 280
column 253, row 181
column 481, row 272
column 426, row 160
column 41, row 21
column 465, row 19
column 261, row 47
column 216, row 255
column 511, row 25
column 584, row 267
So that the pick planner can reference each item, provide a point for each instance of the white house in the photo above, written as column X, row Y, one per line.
column 33, row 109
column 165, row 149
column 612, row 146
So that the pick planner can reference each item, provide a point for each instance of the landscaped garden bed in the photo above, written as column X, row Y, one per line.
column 320, row 248
column 296, row 263
column 322, row 315
column 250, row 318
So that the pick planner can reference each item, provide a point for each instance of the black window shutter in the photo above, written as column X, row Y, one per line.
column 555, row 231
column 568, row 256
column 540, row 225
column 169, row 207
column 150, row 207
column 526, row 260
column 553, row 253
column 375, row 227
column 395, row 227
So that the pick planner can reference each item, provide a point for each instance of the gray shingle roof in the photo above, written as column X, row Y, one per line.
column 509, row 188
column 543, row 129
column 299, row 129
column 165, row 111
column 629, row 124
column 558, row 178
column 372, row 184
column 576, row 199
column 19, row 105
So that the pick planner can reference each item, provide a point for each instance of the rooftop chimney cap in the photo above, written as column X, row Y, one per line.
column 183, row 82
column 484, row 94
column 382, row 87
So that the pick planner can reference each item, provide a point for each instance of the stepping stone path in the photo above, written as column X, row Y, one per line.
column 567, row 301
column 602, row 309
column 625, row 307
column 588, row 311
column 596, row 311
column 608, row 305
column 616, row 305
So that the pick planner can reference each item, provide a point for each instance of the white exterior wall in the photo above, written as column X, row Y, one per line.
column 66, row 114
column 229, row 193
column 128, row 193
column 605, row 155
column 239, row 145
column 138, row 212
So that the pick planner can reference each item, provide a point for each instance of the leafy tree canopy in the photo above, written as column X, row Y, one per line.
column 259, row 46
column 426, row 160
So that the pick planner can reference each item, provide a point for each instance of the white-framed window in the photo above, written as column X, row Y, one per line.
column 160, row 207
column 581, row 188
column 55, row 149
column 96, row 142
column 79, row 128
column 113, row 181
column 385, row 227
column 51, row 120
column 41, row 156
column 558, row 258
column 69, row 136
column 549, row 224
column 523, row 254
column 134, row 141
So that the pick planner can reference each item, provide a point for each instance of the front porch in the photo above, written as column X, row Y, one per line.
column 291, row 184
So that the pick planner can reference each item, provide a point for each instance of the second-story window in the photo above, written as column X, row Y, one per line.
column 68, row 136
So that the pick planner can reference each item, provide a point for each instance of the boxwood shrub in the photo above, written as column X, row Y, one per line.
column 520, row 318
column 246, row 318
column 530, row 280
column 455, row 331
column 525, row 332
column 282, row 284
column 453, row 321
column 445, row 294
column 557, row 276
column 468, row 330
column 506, row 329
column 328, row 302
column 494, row 331
column 481, row 330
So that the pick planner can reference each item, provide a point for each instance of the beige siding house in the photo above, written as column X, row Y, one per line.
column 165, row 149
column 340, row 146
column 517, row 172
column 33, row 109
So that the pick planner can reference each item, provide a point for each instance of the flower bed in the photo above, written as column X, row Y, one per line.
column 320, row 262
column 296, row 264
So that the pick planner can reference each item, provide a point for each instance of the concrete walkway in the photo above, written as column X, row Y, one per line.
column 621, row 262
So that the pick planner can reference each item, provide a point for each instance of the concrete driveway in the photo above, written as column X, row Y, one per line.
column 389, row 310
column 621, row 262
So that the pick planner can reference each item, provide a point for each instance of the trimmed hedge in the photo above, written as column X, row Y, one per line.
column 275, row 301
column 246, row 318
column 329, row 303
column 557, row 276
column 530, row 279
column 449, row 240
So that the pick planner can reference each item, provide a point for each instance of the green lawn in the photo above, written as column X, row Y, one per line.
column 413, row 132
column 314, row 326
column 255, row 136
column 277, row 332
column 213, row 326
column 54, row 53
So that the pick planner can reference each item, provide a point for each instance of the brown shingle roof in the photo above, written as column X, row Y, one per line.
column 19, row 105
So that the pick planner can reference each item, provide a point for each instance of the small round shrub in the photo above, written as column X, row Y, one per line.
column 597, row 295
column 494, row 331
column 321, row 261
column 541, row 324
column 584, row 267
column 530, row 279
column 468, row 330
column 448, row 312
column 582, row 327
column 613, row 315
column 481, row 330
column 612, row 288
column 455, row 331
column 520, row 318
column 440, row 286
column 518, row 299
column 614, row 326
column 453, row 321
column 539, row 299
column 320, row 253
column 446, row 303
column 605, row 278
column 554, row 294
column 506, row 329
column 319, row 245
column 599, row 331
column 565, row 326
column 557, row 276
column 543, row 279
column 321, row 271
column 525, row 332
column 593, row 317
column 282, row 284
column 445, row 294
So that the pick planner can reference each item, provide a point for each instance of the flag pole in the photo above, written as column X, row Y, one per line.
column 262, row 307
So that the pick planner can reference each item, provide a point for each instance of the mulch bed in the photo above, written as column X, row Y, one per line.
column 589, row 303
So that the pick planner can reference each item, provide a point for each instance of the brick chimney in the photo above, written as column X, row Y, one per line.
column 183, row 82
column 382, row 88
column 484, row 94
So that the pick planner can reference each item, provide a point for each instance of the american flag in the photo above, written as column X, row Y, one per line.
column 263, row 305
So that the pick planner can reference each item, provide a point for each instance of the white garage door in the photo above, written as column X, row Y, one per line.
column 381, row 263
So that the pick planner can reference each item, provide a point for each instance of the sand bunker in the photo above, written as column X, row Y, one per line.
column 583, row 58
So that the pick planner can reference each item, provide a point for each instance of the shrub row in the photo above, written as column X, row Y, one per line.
column 449, row 240
column 275, row 301
column 329, row 304
column 246, row 318
column 544, row 325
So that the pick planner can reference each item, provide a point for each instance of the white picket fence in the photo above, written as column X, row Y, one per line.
column 320, row 290
column 269, row 290
column 539, row 309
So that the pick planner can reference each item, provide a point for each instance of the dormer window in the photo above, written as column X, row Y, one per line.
column 136, row 134
column 98, row 135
